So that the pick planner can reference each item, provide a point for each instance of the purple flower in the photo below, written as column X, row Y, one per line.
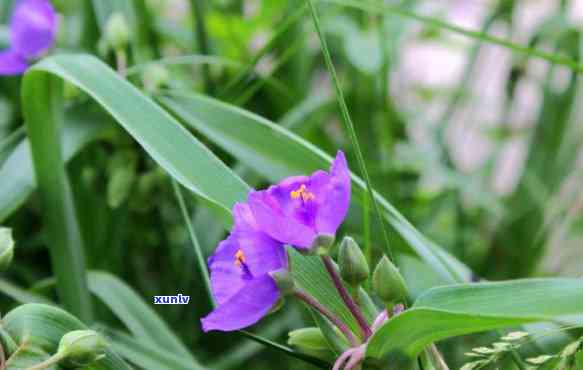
column 299, row 208
column 33, row 27
column 240, row 274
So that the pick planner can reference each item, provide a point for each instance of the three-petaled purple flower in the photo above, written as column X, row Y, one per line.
column 300, row 208
column 240, row 274
column 294, row 212
column 33, row 27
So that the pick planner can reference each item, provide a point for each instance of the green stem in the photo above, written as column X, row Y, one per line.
column 53, row 360
column 194, row 240
column 349, row 124
column 348, row 301
column 198, row 9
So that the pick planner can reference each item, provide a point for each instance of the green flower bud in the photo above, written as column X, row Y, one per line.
column 117, row 33
column 6, row 248
column 353, row 266
column 311, row 341
column 388, row 283
column 322, row 244
column 284, row 281
column 82, row 347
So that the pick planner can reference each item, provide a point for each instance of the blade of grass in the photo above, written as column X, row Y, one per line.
column 43, row 110
column 193, row 239
column 349, row 125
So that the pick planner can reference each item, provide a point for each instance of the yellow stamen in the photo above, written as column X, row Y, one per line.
column 303, row 193
column 240, row 258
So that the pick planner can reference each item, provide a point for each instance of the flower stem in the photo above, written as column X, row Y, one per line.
column 311, row 301
column 352, row 306
column 48, row 362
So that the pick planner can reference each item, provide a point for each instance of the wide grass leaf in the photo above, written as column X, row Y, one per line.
column 451, row 311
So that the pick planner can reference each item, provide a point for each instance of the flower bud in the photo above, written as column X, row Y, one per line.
column 388, row 283
column 353, row 266
column 6, row 248
column 82, row 347
column 311, row 341
column 284, row 281
column 117, row 33
column 322, row 244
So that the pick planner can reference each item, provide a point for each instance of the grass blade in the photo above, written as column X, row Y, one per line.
column 194, row 240
column 349, row 126
column 41, row 99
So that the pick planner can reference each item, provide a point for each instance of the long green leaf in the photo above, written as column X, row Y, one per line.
column 469, row 308
column 43, row 112
column 275, row 152
column 168, row 143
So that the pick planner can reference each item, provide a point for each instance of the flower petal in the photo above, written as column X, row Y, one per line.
column 245, row 308
column 262, row 253
column 11, row 63
column 226, row 277
column 334, row 207
column 33, row 27
column 270, row 219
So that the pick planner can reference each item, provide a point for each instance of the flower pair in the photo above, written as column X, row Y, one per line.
column 294, row 212
column 33, row 27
